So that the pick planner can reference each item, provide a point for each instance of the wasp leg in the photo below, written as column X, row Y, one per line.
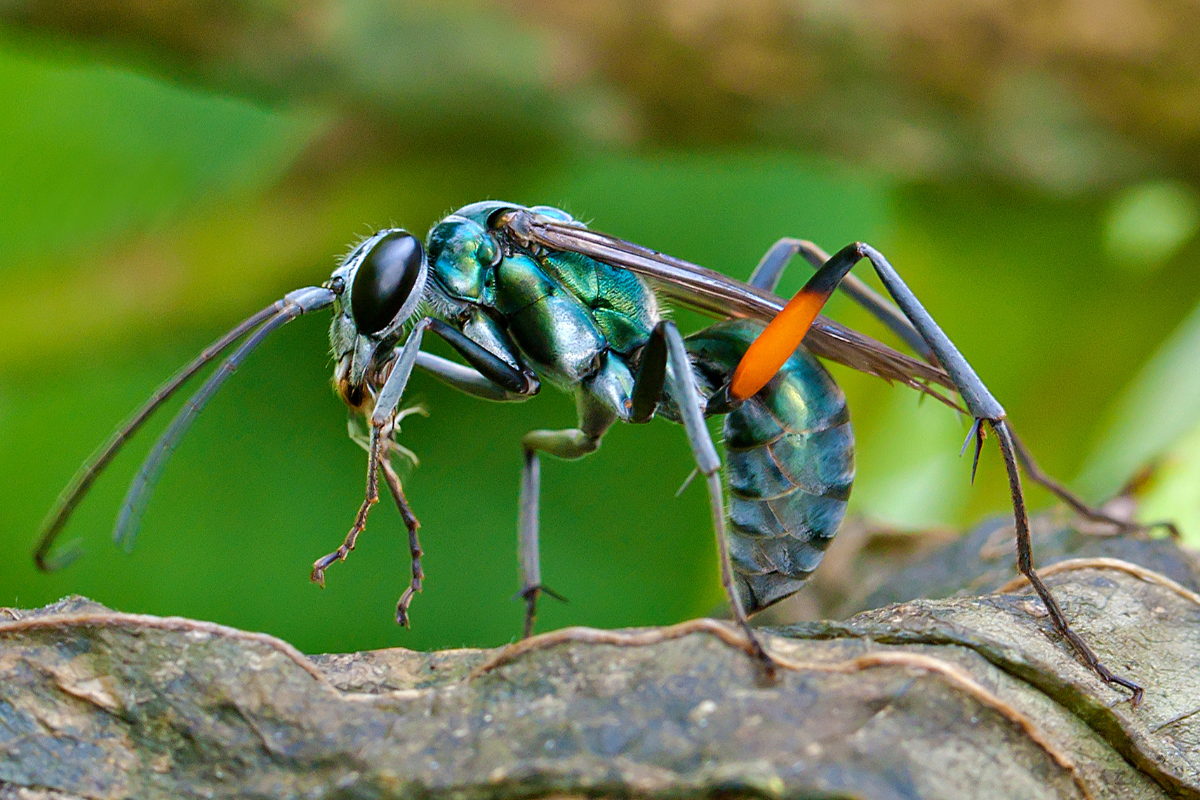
column 485, row 368
column 517, row 379
column 769, row 270
column 766, row 276
column 1025, row 566
column 397, row 380
column 469, row 381
column 1077, row 504
column 691, row 412
column 466, row 379
column 385, row 409
column 492, row 378
column 983, row 406
column 317, row 575
column 488, row 375
column 411, row 523
column 652, row 374
column 594, row 421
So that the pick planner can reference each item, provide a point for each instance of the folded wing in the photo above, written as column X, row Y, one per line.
column 720, row 296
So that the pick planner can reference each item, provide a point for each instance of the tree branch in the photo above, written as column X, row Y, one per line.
column 968, row 696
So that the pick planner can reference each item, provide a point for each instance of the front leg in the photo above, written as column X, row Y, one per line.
column 488, row 376
column 385, row 407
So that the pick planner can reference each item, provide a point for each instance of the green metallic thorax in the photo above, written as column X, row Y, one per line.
column 570, row 317
column 622, row 306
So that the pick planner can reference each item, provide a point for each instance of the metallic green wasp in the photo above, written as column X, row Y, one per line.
column 526, row 295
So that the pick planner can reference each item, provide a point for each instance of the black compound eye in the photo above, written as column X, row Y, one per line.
column 384, row 280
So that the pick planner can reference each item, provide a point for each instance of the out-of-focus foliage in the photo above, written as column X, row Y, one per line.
column 1148, row 224
column 1065, row 95
column 1155, row 423
column 167, row 168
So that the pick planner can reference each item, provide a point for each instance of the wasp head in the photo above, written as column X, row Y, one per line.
column 381, row 284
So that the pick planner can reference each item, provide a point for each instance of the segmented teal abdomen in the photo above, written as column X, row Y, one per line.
column 789, row 454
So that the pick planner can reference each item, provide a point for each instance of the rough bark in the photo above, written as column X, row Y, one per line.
column 960, row 697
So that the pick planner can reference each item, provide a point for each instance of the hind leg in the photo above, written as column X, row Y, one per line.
column 783, row 336
column 770, row 269
column 766, row 276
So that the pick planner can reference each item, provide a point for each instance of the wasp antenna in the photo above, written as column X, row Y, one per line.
column 86, row 475
column 292, row 306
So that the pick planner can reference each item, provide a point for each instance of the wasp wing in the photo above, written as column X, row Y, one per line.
column 718, row 295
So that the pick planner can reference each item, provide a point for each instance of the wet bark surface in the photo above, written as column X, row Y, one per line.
column 965, row 696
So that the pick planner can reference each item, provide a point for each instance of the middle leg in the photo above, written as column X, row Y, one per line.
column 594, row 421
column 664, row 360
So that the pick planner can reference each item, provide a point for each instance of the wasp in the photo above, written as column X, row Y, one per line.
column 529, row 295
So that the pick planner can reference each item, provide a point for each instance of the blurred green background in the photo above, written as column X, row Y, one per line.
column 166, row 169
